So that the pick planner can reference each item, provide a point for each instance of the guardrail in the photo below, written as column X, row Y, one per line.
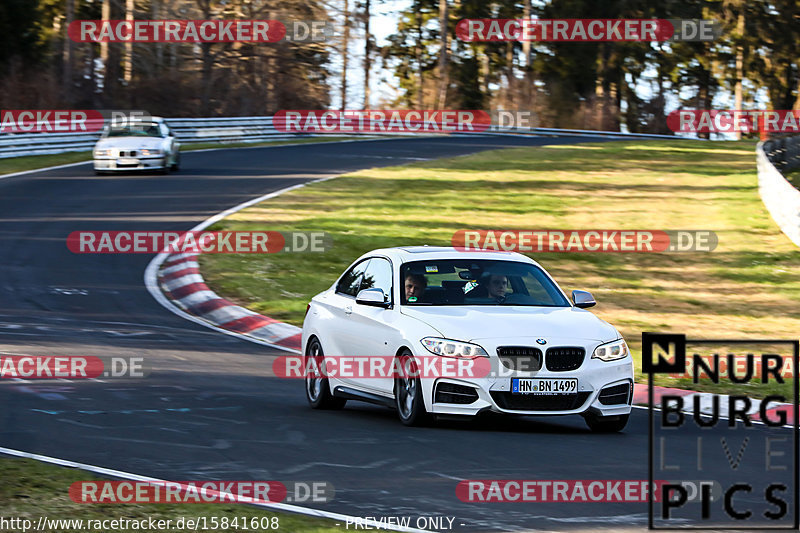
column 240, row 129
column 776, row 157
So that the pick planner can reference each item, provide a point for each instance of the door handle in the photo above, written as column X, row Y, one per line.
column 348, row 310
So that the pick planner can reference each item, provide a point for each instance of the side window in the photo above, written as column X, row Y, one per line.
column 351, row 281
column 378, row 276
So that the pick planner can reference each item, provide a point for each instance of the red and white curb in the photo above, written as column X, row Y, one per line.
column 181, row 282
column 175, row 282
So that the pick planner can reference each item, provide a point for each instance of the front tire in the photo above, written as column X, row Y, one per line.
column 606, row 424
column 408, row 393
column 177, row 164
column 318, row 391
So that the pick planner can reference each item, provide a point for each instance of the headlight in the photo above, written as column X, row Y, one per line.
column 147, row 151
column 611, row 351
column 102, row 153
column 451, row 348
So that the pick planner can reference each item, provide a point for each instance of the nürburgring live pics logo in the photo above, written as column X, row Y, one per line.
column 752, row 456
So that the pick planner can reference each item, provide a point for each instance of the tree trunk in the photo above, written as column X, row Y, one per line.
column 127, row 61
column 67, row 53
column 600, row 88
column 796, row 105
column 367, row 53
column 345, row 44
column 704, row 97
column 737, row 91
column 156, row 15
column 208, row 71
column 418, row 52
column 104, row 56
column 444, row 76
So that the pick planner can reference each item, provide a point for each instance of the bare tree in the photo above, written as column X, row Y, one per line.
column 367, row 52
column 345, row 54
column 67, row 52
column 418, row 50
column 104, row 56
column 127, row 61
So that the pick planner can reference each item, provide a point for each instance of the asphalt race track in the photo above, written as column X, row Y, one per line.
column 207, row 409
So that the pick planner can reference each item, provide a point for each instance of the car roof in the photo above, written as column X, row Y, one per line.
column 422, row 253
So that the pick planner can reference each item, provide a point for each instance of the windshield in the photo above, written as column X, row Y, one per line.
column 150, row 129
column 478, row 282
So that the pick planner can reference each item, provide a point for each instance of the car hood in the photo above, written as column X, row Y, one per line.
column 129, row 143
column 472, row 323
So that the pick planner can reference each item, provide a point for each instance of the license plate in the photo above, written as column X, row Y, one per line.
column 544, row 385
column 127, row 161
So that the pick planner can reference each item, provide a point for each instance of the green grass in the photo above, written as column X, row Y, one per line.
column 32, row 162
column 794, row 178
column 31, row 489
column 748, row 287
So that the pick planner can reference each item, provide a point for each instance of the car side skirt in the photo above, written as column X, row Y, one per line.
column 353, row 394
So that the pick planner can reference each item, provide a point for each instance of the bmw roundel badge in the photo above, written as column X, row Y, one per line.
column 541, row 341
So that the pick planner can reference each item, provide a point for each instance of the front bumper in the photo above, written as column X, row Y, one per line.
column 136, row 163
column 493, row 393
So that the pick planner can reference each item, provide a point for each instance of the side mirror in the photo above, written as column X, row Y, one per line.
column 372, row 297
column 583, row 299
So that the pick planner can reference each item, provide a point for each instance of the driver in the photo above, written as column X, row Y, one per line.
column 497, row 287
column 415, row 285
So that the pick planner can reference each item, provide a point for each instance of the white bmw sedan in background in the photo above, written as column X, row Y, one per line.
column 546, row 355
column 145, row 145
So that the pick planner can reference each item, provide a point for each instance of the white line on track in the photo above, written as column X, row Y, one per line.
column 272, row 506
column 3, row 176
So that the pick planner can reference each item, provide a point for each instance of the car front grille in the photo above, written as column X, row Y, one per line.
column 452, row 393
column 616, row 394
column 564, row 359
column 521, row 358
column 539, row 402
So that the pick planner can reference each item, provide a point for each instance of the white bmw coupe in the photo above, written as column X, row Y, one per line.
column 540, row 353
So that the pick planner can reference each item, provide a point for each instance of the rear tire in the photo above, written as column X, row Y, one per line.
column 606, row 424
column 318, row 391
column 408, row 394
